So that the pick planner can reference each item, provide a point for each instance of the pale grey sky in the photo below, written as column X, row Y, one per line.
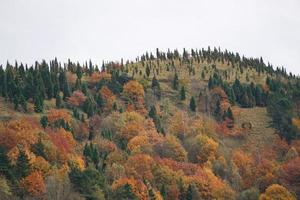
column 112, row 29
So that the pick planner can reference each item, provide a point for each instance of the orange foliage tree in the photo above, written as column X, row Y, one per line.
column 64, row 142
column 291, row 175
column 140, row 166
column 134, row 95
column 136, row 143
column 201, row 149
column 171, row 148
column 23, row 132
column 108, row 97
column 56, row 115
column 179, row 125
column 97, row 76
column 34, row 184
column 132, row 124
column 41, row 165
column 77, row 98
column 245, row 165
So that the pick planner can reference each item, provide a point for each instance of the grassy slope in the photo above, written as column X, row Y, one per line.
column 258, row 137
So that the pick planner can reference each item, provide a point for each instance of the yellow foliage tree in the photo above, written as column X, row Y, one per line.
column 276, row 192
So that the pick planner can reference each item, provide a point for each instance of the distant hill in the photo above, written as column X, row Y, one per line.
column 201, row 124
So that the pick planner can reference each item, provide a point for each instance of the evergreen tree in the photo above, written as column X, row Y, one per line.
column 79, row 72
column 38, row 103
column 58, row 101
column 90, row 106
column 155, row 82
column 22, row 165
column 175, row 82
column 39, row 149
column 23, row 102
column 193, row 104
column 281, row 111
column 100, row 101
column 203, row 75
column 78, row 84
column 229, row 114
column 66, row 90
column 114, row 85
column 218, row 111
column 87, row 181
column 189, row 193
column 163, row 191
column 44, row 121
column 124, row 193
column 5, row 167
column 148, row 71
column 156, row 87
column 182, row 93
column 156, row 119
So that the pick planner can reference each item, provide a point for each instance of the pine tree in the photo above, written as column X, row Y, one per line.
column 66, row 90
column 2, row 79
column 38, row 104
column 115, row 86
column 163, row 191
column 22, row 165
column 50, row 89
column 175, row 82
column 203, row 75
column 148, row 71
column 39, row 149
column 77, row 84
column 156, row 119
column 156, row 87
column 155, row 82
column 218, row 111
column 182, row 93
column 58, row 101
column 44, row 121
column 5, row 167
column 189, row 193
column 125, row 193
column 23, row 102
column 193, row 104
column 229, row 114
column 90, row 106
column 79, row 72
column 231, row 96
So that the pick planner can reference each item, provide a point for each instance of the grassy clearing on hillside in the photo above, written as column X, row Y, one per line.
column 258, row 137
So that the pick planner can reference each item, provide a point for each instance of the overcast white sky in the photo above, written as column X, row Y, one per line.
column 112, row 29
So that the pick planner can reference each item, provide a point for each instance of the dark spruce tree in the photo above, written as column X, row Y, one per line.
column 44, row 121
column 22, row 165
column 156, row 87
column 156, row 119
column 193, row 104
column 182, row 93
column 58, row 101
column 175, row 82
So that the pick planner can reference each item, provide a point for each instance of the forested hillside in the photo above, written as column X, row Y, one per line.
column 201, row 124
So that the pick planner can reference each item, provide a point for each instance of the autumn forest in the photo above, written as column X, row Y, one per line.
column 197, row 124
